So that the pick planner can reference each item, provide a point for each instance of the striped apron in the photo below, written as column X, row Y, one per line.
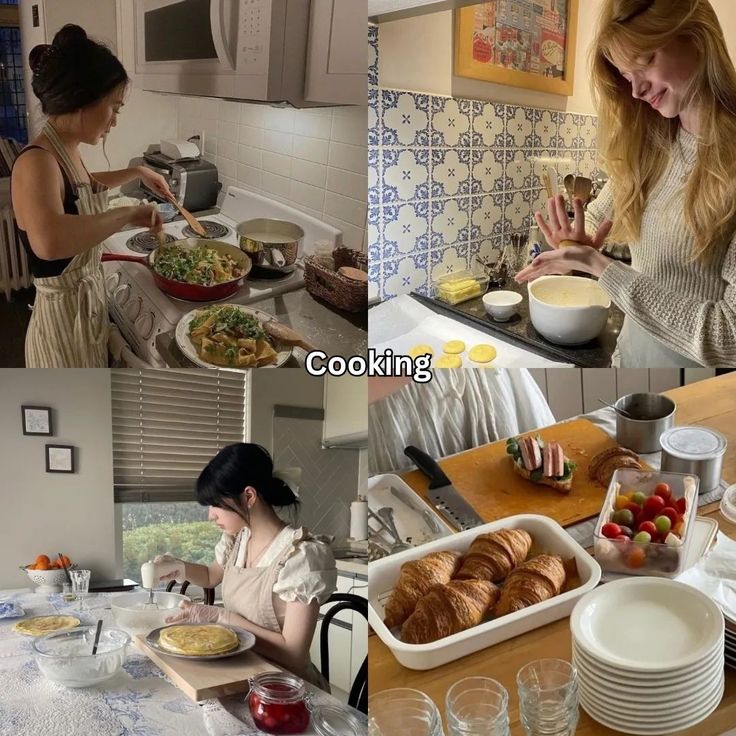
column 69, row 326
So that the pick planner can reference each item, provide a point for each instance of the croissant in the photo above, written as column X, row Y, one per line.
column 534, row 581
column 449, row 608
column 493, row 556
column 415, row 580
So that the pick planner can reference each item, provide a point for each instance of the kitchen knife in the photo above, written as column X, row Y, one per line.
column 442, row 493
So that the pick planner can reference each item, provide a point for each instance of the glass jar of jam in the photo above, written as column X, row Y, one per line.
column 278, row 703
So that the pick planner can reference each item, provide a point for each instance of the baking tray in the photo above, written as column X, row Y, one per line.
column 246, row 640
column 548, row 536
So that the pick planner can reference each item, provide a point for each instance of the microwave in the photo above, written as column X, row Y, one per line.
column 238, row 49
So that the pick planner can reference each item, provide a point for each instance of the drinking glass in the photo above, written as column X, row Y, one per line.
column 80, row 585
column 403, row 711
column 548, row 697
column 477, row 706
column 67, row 592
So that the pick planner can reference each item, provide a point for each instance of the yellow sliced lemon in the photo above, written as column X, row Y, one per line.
column 482, row 353
column 454, row 347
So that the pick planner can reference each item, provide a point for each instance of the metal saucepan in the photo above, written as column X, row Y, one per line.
column 273, row 245
column 192, row 292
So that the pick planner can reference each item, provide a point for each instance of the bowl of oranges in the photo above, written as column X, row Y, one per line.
column 48, row 572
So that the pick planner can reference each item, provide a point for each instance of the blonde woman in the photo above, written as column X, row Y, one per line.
column 665, row 89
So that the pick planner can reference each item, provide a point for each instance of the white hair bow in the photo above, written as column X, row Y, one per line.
column 291, row 476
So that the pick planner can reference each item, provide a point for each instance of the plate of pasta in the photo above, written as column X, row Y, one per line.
column 230, row 336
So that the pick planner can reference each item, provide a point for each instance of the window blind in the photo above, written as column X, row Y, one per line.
column 168, row 424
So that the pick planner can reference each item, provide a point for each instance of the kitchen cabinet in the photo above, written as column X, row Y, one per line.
column 346, row 412
column 381, row 11
column 336, row 75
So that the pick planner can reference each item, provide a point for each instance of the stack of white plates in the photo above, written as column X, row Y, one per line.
column 730, row 641
column 649, row 654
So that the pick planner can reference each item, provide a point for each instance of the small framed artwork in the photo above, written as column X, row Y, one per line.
column 37, row 420
column 59, row 459
column 521, row 43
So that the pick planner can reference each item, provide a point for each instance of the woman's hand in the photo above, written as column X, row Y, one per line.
column 559, row 228
column 155, row 182
column 145, row 215
column 196, row 613
column 563, row 260
column 175, row 567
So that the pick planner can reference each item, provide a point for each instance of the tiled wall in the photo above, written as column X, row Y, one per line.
column 312, row 159
column 448, row 178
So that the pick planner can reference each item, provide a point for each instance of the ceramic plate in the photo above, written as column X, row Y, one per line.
column 190, row 352
column 669, row 625
column 246, row 640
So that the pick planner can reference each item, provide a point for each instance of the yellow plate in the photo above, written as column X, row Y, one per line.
column 41, row 625
column 454, row 347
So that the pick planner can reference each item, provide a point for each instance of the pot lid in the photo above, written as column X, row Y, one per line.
column 332, row 720
column 693, row 443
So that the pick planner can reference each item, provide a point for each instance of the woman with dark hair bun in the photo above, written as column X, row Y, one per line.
column 61, row 209
column 274, row 575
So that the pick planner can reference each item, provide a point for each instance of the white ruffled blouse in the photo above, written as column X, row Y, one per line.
column 308, row 573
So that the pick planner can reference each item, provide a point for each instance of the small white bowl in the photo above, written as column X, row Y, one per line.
column 502, row 305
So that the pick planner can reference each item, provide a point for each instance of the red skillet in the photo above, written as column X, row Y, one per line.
column 192, row 292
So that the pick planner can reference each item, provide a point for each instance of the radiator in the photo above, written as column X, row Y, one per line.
column 14, row 271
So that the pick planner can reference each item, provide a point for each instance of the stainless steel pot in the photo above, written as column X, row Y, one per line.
column 695, row 450
column 273, row 245
column 648, row 416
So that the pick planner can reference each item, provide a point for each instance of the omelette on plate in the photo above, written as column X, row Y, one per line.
column 41, row 625
column 198, row 641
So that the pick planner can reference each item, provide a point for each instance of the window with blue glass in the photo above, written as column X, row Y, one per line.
column 12, row 97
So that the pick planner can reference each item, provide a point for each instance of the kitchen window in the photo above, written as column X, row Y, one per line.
column 167, row 424
column 12, row 96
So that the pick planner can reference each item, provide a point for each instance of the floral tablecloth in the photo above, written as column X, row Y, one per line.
column 139, row 701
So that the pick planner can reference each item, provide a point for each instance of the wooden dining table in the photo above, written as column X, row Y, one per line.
column 711, row 403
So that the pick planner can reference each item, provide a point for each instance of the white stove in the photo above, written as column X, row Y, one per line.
column 142, row 311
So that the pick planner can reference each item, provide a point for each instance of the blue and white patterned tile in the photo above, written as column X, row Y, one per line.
column 374, row 176
column 405, row 229
column 404, row 275
column 568, row 131
column 488, row 171
column 489, row 126
column 405, row 174
column 538, row 201
column 487, row 215
column 374, row 276
column 450, row 174
column 546, row 129
column 451, row 121
column 587, row 165
column 579, row 121
column 487, row 249
column 374, row 116
column 373, row 55
column 589, row 131
column 449, row 221
column 375, row 241
column 519, row 171
column 517, row 214
column 519, row 126
column 448, row 260
column 405, row 117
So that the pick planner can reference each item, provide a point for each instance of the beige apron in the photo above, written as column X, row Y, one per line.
column 69, row 326
column 248, row 591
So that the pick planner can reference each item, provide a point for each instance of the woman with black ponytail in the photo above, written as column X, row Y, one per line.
column 61, row 209
column 274, row 575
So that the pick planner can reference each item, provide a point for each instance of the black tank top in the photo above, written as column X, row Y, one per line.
column 41, row 268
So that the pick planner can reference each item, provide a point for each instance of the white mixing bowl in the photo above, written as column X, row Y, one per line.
column 568, row 310
column 134, row 616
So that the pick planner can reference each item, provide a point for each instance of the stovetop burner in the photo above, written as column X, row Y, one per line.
column 147, row 241
column 213, row 230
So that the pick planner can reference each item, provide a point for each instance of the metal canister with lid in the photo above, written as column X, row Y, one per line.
column 695, row 450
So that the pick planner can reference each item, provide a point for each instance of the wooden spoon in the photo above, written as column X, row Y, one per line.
column 190, row 218
column 583, row 187
column 286, row 335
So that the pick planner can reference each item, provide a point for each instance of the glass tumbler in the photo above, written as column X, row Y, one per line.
column 403, row 711
column 80, row 586
column 548, row 697
column 477, row 706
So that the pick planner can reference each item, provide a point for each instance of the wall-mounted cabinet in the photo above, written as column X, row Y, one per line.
column 380, row 11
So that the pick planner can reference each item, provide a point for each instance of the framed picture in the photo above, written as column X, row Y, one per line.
column 37, row 420
column 521, row 43
column 59, row 459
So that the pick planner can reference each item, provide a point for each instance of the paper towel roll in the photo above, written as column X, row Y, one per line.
column 359, row 520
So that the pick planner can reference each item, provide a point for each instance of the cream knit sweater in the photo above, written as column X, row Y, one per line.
column 678, row 313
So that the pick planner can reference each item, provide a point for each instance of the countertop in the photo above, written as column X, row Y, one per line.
column 334, row 331
column 520, row 331
column 711, row 402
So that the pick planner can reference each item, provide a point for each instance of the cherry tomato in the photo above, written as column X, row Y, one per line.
column 611, row 530
column 663, row 490
column 671, row 514
column 620, row 503
column 621, row 538
column 626, row 531
column 639, row 497
column 681, row 505
column 624, row 517
column 643, row 538
column 679, row 528
column 647, row 526
column 634, row 508
column 663, row 524
column 636, row 556
column 654, row 504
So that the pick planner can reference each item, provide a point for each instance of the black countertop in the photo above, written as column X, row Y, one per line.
column 520, row 331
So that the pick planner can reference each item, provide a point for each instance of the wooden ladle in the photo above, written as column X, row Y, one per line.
column 285, row 334
column 190, row 218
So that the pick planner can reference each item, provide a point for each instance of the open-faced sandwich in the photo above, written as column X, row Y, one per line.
column 541, row 462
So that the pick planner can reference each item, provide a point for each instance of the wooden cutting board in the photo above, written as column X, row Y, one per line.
column 485, row 478
column 209, row 679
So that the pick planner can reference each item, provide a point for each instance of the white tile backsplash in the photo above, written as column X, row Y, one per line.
column 315, row 160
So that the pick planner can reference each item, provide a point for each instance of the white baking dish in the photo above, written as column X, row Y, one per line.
column 548, row 536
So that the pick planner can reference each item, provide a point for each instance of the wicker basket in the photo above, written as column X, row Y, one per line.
column 338, row 290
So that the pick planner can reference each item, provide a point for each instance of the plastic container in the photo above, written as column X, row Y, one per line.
column 278, row 703
column 696, row 450
column 548, row 537
column 66, row 657
column 134, row 616
column 455, row 288
column 655, row 558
